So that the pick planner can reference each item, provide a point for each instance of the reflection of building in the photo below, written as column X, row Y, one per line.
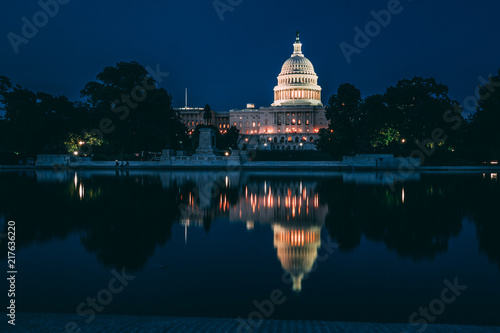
column 290, row 206
column 291, row 122
column 297, row 250
column 276, row 202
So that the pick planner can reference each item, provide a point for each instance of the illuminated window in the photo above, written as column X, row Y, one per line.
column 299, row 122
column 289, row 139
column 253, row 124
column 307, row 121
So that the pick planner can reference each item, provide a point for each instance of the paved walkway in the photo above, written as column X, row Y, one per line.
column 55, row 323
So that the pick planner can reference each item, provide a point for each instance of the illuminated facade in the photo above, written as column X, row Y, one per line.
column 292, row 122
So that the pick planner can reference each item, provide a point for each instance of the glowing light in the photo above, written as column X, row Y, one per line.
column 250, row 225
column 81, row 191
column 227, row 181
column 494, row 176
column 75, row 153
column 403, row 195
column 403, row 141
column 226, row 153
column 494, row 162
column 76, row 180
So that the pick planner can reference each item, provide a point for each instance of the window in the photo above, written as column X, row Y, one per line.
column 307, row 121
column 299, row 122
column 265, row 121
column 234, row 124
column 253, row 124
column 247, row 124
column 289, row 139
column 241, row 124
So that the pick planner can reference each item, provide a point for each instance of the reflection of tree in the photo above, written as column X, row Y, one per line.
column 484, row 212
column 418, row 228
column 123, row 226
column 123, row 219
column 126, row 225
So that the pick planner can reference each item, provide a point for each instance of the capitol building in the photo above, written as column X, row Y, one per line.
column 292, row 122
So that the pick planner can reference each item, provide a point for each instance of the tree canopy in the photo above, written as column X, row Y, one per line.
column 414, row 114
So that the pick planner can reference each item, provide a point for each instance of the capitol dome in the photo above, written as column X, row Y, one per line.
column 297, row 82
column 297, row 65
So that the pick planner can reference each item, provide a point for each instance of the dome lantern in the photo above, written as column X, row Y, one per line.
column 297, row 47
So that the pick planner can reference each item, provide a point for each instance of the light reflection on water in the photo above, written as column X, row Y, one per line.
column 130, row 218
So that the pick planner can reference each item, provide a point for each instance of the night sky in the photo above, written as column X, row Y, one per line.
column 228, row 63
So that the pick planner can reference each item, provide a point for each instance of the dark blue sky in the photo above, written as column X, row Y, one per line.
column 236, row 61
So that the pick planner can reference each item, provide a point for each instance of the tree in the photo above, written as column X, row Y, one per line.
column 344, row 114
column 139, row 115
column 230, row 139
column 413, row 115
column 482, row 137
column 207, row 115
column 418, row 107
column 36, row 122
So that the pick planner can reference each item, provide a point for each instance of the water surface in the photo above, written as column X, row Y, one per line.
column 339, row 246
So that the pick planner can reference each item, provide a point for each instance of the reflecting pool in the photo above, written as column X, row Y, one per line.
column 336, row 246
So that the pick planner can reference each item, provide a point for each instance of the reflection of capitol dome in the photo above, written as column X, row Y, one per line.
column 297, row 82
column 297, row 250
